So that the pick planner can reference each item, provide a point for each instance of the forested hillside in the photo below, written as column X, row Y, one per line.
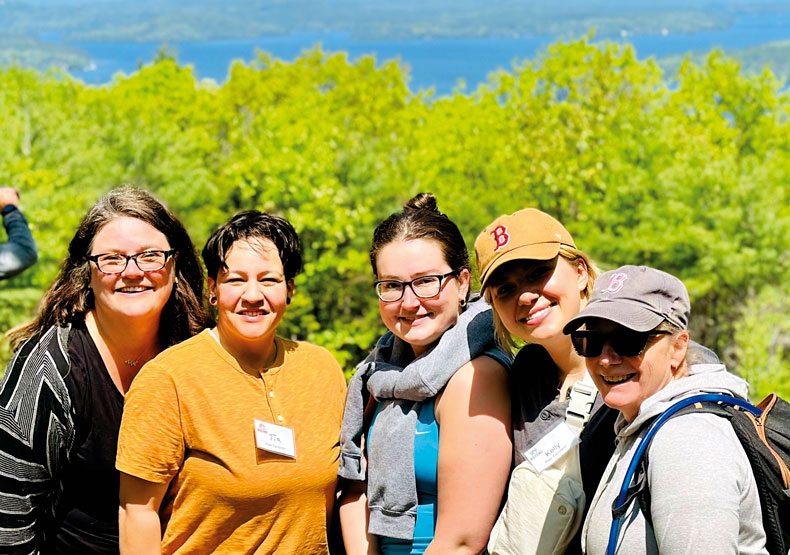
column 685, row 172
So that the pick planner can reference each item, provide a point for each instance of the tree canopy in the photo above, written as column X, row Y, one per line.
column 686, row 172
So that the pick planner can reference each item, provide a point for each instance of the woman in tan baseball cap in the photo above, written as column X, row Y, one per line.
column 536, row 280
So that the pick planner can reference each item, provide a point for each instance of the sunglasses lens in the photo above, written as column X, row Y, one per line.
column 588, row 344
column 629, row 343
column 625, row 343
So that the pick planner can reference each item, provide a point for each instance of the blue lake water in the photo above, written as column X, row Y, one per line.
column 438, row 63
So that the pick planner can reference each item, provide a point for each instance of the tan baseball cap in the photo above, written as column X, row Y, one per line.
column 528, row 234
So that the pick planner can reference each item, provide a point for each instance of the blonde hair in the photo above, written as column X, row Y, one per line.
column 574, row 256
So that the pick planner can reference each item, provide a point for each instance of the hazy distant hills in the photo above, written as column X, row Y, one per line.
column 40, row 33
column 775, row 55
column 195, row 20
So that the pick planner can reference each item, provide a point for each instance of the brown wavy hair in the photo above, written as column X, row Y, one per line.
column 69, row 297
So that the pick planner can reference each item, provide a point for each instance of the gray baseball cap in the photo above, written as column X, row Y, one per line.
column 637, row 297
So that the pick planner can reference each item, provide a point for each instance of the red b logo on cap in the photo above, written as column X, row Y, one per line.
column 500, row 236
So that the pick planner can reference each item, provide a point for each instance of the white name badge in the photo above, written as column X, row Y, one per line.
column 275, row 439
column 551, row 447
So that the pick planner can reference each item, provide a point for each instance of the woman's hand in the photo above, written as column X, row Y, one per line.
column 475, row 453
column 139, row 526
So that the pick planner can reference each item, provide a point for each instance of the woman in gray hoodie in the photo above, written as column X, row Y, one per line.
column 703, row 496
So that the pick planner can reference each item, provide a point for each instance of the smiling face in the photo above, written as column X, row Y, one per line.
column 534, row 299
column 132, row 293
column 419, row 322
column 625, row 382
column 251, row 295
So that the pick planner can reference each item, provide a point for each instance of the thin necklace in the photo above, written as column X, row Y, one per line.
column 110, row 345
column 133, row 361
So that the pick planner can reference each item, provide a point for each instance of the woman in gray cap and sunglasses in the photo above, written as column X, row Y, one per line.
column 703, row 497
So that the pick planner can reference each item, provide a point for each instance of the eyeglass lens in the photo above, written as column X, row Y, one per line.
column 147, row 261
column 423, row 287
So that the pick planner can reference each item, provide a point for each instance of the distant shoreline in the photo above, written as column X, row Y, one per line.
column 755, row 39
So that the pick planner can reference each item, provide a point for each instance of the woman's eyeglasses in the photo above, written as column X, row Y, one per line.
column 115, row 263
column 424, row 287
column 624, row 342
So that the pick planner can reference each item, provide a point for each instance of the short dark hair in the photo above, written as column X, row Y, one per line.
column 69, row 297
column 421, row 219
column 253, row 224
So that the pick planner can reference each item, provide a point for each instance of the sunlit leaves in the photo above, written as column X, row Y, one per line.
column 686, row 172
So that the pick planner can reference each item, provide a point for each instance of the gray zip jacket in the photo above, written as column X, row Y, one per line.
column 703, row 495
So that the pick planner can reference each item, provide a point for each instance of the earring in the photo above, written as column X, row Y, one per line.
column 462, row 302
column 212, row 299
column 175, row 282
column 288, row 300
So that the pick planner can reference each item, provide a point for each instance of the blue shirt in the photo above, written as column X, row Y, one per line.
column 426, row 462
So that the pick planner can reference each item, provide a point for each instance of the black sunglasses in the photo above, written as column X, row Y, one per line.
column 624, row 342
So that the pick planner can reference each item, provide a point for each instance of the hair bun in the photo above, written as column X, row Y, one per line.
column 423, row 201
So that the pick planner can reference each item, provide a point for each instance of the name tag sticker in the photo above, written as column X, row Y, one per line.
column 275, row 439
column 551, row 447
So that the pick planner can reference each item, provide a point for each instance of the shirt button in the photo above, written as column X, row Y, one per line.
column 545, row 415
column 271, row 394
column 280, row 418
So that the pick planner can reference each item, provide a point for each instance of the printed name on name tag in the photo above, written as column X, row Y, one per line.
column 551, row 447
column 275, row 439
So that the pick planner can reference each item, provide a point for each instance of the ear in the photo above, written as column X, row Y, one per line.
column 678, row 350
column 463, row 284
column 212, row 289
column 582, row 275
column 290, row 285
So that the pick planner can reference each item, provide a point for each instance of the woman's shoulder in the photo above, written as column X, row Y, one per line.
column 304, row 348
column 37, row 377
column 306, row 353
column 532, row 356
column 40, row 352
column 177, row 360
column 480, row 377
column 702, row 439
column 534, row 376
column 186, row 348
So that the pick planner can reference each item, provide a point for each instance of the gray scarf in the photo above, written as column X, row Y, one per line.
column 400, row 385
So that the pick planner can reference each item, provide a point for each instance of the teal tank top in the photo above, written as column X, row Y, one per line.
column 426, row 461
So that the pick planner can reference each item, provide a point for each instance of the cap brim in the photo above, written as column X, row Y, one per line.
column 535, row 251
column 627, row 314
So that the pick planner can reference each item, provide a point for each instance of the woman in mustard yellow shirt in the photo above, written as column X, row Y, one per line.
column 229, row 442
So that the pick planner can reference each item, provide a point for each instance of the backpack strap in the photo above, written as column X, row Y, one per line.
column 629, row 490
column 640, row 488
column 580, row 405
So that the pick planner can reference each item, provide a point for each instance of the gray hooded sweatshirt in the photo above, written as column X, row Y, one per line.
column 703, row 495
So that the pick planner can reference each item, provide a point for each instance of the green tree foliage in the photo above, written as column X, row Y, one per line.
column 685, row 172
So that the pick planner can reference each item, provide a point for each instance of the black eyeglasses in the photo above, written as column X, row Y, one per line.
column 115, row 263
column 624, row 342
column 424, row 287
